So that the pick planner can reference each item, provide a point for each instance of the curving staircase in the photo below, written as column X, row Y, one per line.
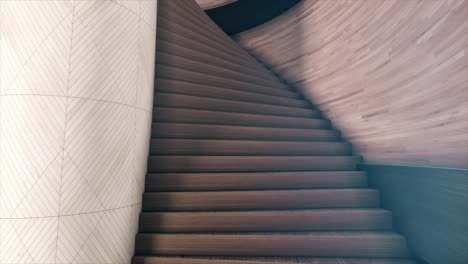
column 242, row 169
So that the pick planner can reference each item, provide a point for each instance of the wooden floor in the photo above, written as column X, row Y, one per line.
column 243, row 170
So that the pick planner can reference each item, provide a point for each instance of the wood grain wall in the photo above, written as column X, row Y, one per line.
column 391, row 74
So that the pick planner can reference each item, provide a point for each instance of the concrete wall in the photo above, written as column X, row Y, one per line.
column 76, row 92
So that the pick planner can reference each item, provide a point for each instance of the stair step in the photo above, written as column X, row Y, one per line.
column 320, row 244
column 198, row 131
column 173, row 42
column 179, row 61
column 260, row 200
column 210, row 91
column 272, row 260
column 203, row 57
column 267, row 221
column 214, row 104
column 193, row 36
column 203, row 78
column 181, row 115
column 250, row 163
column 247, row 147
column 254, row 181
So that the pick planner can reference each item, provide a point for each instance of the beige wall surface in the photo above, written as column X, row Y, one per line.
column 392, row 74
column 76, row 86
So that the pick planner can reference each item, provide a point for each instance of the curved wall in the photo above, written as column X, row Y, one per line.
column 75, row 112
column 392, row 75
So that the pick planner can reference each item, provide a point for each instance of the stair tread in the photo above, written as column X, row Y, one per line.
column 195, row 54
column 260, row 234
column 242, row 169
column 164, row 99
column 319, row 244
column 210, row 91
column 207, row 131
column 273, row 260
column 254, row 180
column 179, row 60
column 264, row 199
column 246, row 147
column 267, row 220
column 250, row 163
column 204, row 78
column 168, row 114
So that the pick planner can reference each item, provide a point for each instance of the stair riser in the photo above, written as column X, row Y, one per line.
column 196, row 131
column 206, row 91
column 260, row 200
column 201, row 78
column 263, row 260
column 253, row 181
column 197, row 55
column 177, row 60
column 194, row 35
column 178, row 115
column 278, row 221
column 202, row 103
column 233, row 147
column 355, row 245
column 250, row 163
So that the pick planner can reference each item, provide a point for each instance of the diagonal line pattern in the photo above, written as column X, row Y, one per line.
column 38, row 12
column 73, row 92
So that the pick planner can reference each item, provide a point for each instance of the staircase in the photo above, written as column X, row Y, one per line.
column 243, row 170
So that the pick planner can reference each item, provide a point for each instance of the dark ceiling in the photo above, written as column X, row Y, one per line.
column 245, row 14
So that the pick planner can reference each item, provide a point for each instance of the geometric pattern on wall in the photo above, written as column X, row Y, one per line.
column 76, row 89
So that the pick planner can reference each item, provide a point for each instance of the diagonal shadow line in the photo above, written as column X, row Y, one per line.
column 96, row 48
column 124, row 142
column 84, row 179
column 23, row 66
column 87, row 238
column 22, row 242
column 106, row 179
column 119, row 4
column 35, row 183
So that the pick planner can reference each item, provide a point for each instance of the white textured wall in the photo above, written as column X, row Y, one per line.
column 76, row 98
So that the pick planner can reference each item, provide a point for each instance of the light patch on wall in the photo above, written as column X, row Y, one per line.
column 209, row 4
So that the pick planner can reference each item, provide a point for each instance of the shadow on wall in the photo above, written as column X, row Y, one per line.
column 430, row 206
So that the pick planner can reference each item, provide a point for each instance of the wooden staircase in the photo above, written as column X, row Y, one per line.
column 276, row 185
column 243, row 170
